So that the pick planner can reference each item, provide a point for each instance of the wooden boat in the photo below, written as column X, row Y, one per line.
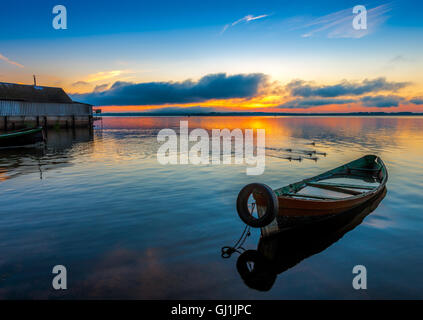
column 329, row 193
column 22, row 137
column 284, row 250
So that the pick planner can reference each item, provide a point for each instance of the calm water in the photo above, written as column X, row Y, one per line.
column 127, row 227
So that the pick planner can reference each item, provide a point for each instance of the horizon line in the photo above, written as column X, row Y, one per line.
column 182, row 114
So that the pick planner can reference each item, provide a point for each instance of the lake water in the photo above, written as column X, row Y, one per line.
column 126, row 226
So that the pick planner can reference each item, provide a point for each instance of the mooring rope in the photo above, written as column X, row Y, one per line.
column 226, row 252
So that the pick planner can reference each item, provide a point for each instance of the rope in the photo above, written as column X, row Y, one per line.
column 226, row 252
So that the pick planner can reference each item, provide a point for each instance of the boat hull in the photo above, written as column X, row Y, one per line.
column 293, row 207
column 22, row 138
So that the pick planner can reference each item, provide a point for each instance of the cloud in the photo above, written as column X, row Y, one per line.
column 213, row 86
column 308, row 95
column 398, row 58
column 101, row 87
column 245, row 19
column 339, row 24
column 104, row 75
column 417, row 100
column 80, row 83
column 249, row 18
column 119, row 84
column 345, row 88
column 2, row 57
column 310, row 103
column 382, row 101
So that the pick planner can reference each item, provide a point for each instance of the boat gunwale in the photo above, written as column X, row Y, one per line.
column 20, row 133
column 368, row 194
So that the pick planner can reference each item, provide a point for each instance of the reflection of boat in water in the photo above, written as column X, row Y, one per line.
column 322, row 196
column 55, row 153
column 22, row 137
column 274, row 255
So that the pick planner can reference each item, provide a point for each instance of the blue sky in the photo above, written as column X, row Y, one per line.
column 31, row 19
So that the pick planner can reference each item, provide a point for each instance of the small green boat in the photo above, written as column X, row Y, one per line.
column 22, row 137
column 343, row 188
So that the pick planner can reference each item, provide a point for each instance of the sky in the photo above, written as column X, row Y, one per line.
column 269, row 56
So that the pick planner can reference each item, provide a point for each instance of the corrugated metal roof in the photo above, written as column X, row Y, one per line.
column 22, row 108
column 20, row 92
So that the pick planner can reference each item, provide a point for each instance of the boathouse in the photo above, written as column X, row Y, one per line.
column 31, row 105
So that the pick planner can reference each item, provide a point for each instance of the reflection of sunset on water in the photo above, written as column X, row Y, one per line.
column 3, row 174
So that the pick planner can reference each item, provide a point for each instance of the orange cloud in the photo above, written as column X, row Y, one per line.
column 104, row 75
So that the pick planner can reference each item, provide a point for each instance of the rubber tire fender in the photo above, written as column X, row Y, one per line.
column 272, row 205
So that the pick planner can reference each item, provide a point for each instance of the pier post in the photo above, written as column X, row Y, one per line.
column 45, row 126
column 45, row 123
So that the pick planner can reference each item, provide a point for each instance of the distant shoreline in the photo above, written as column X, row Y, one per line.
column 250, row 114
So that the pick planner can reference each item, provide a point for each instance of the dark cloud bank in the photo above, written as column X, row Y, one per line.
column 417, row 100
column 221, row 86
column 300, row 88
column 213, row 86
column 366, row 101
column 310, row 95
column 382, row 101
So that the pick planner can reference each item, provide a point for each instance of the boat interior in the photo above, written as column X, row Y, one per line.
column 353, row 179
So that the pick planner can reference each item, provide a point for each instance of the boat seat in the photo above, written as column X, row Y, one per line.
column 342, row 185
column 333, row 188
column 310, row 196
column 365, row 169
